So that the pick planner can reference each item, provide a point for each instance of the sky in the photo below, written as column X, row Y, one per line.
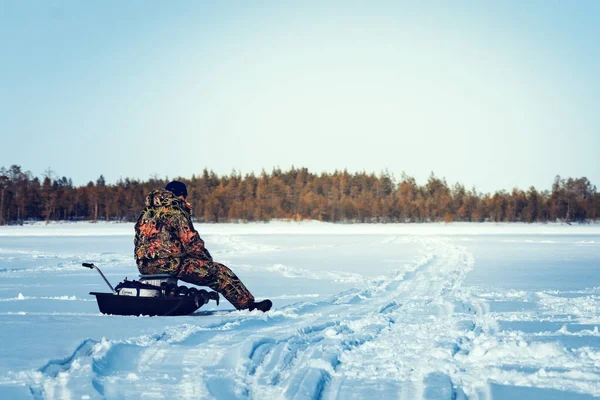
column 494, row 95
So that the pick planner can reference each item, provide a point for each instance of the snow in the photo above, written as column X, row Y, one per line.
column 316, row 227
column 432, row 311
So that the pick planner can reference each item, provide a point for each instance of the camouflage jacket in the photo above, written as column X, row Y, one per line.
column 165, row 235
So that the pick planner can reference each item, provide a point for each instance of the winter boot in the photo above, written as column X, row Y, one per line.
column 263, row 306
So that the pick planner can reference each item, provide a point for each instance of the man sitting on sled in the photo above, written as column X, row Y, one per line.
column 167, row 243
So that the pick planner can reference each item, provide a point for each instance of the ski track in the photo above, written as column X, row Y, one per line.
column 415, row 334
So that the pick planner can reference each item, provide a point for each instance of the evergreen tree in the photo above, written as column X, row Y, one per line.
column 297, row 194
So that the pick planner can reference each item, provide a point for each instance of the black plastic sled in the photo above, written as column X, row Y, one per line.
column 152, row 295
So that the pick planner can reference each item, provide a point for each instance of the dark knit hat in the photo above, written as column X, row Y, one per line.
column 177, row 188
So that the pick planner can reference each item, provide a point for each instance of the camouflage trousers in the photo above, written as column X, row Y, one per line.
column 217, row 277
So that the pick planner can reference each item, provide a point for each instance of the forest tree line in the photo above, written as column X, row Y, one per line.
column 295, row 194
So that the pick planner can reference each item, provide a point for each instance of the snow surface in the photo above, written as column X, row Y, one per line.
column 433, row 311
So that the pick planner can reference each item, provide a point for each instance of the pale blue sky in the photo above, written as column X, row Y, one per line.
column 492, row 95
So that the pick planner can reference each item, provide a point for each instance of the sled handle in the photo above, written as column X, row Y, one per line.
column 92, row 266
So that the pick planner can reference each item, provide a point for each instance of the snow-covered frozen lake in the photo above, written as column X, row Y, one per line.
column 452, row 311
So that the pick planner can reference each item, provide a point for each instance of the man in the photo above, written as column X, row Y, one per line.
column 166, row 242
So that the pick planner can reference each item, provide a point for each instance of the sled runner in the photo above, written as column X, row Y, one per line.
column 152, row 295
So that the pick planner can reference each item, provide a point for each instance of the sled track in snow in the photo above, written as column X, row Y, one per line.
column 414, row 334
column 403, row 329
